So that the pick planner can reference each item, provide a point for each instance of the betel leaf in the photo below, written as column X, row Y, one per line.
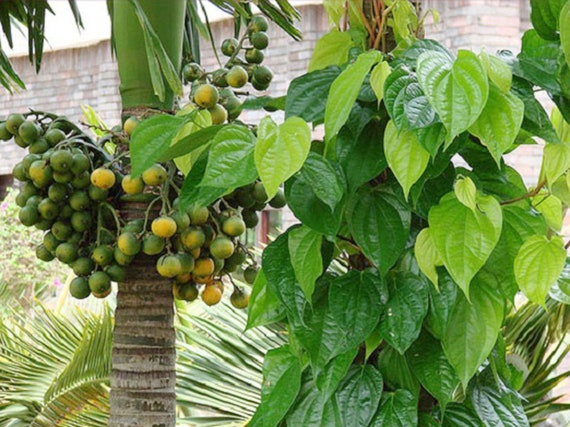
column 518, row 225
column 550, row 207
column 360, row 160
column 565, row 31
column 431, row 137
column 329, row 377
column 309, row 209
column 499, row 123
column 191, row 192
column 378, row 77
column 344, row 91
column 197, row 120
column 498, row 71
column 397, row 409
column 280, row 151
column 456, row 90
column 544, row 17
column 405, row 156
column 465, row 238
column 405, row 101
column 427, row 256
column 280, row 386
column 536, row 120
column 312, row 408
column 396, row 371
column 355, row 303
column 497, row 405
column 441, row 303
column 473, row 328
column 379, row 222
column 305, row 252
column 358, row 396
column 538, row 264
column 460, row 415
column 410, row 56
column 321, row 175
column 281, row 280
column 264, row 307
column 555, row 161
column 429, row 364
column 230, row 162
column 407, row 305
column 331, row 49
column 466, row 192
column 307, row 94
column 537, row 60
column 151, row 140
column 191, row 142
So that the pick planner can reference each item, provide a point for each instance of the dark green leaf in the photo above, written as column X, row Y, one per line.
column 441, row 303
column 379, row 222
column 409, row 57
column 497, row 405
column 538, row 61
column 151, row 140
column 544, row 17
column 361, row 156
column 329, row 377
column 428, row 363
column 276, row 263
column 536, row 120
column 309, row 209
column 305, row 252
column 407, row 306
column 459, row 415
column 264, row 307
column 358, row 395
column 307, row 94
column 230, row 162
column 192, row 192
column 313, row 409
column 321, row 176
column 281, row 383
column 397, row 409
column 396, row 371
column 473, row 327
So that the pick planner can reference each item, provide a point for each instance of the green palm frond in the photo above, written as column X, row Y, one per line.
column 219, row 370
column 54, row 369
column 536, row 337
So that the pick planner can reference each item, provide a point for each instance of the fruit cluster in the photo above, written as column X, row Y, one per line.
column 81, row 196
column 215, row 91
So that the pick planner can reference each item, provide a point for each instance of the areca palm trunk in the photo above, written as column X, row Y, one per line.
column 143, row 360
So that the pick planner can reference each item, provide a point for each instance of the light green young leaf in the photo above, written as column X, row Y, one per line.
column 560, row 125
column 344, row 91
column 499, row 123
column 538, row 265
column 305, row 251
column 555, row 161
column 427, row 256
column 200, row 119
column 473, row 328
column 378, row 77
column 565, row 31
column 466, row 192
column 457, row 90
column 230, row 162
column 280, row 150
column 550, row 207
column 498, row 72
column 405, row 156
column 331, row 49
column 465, row 238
